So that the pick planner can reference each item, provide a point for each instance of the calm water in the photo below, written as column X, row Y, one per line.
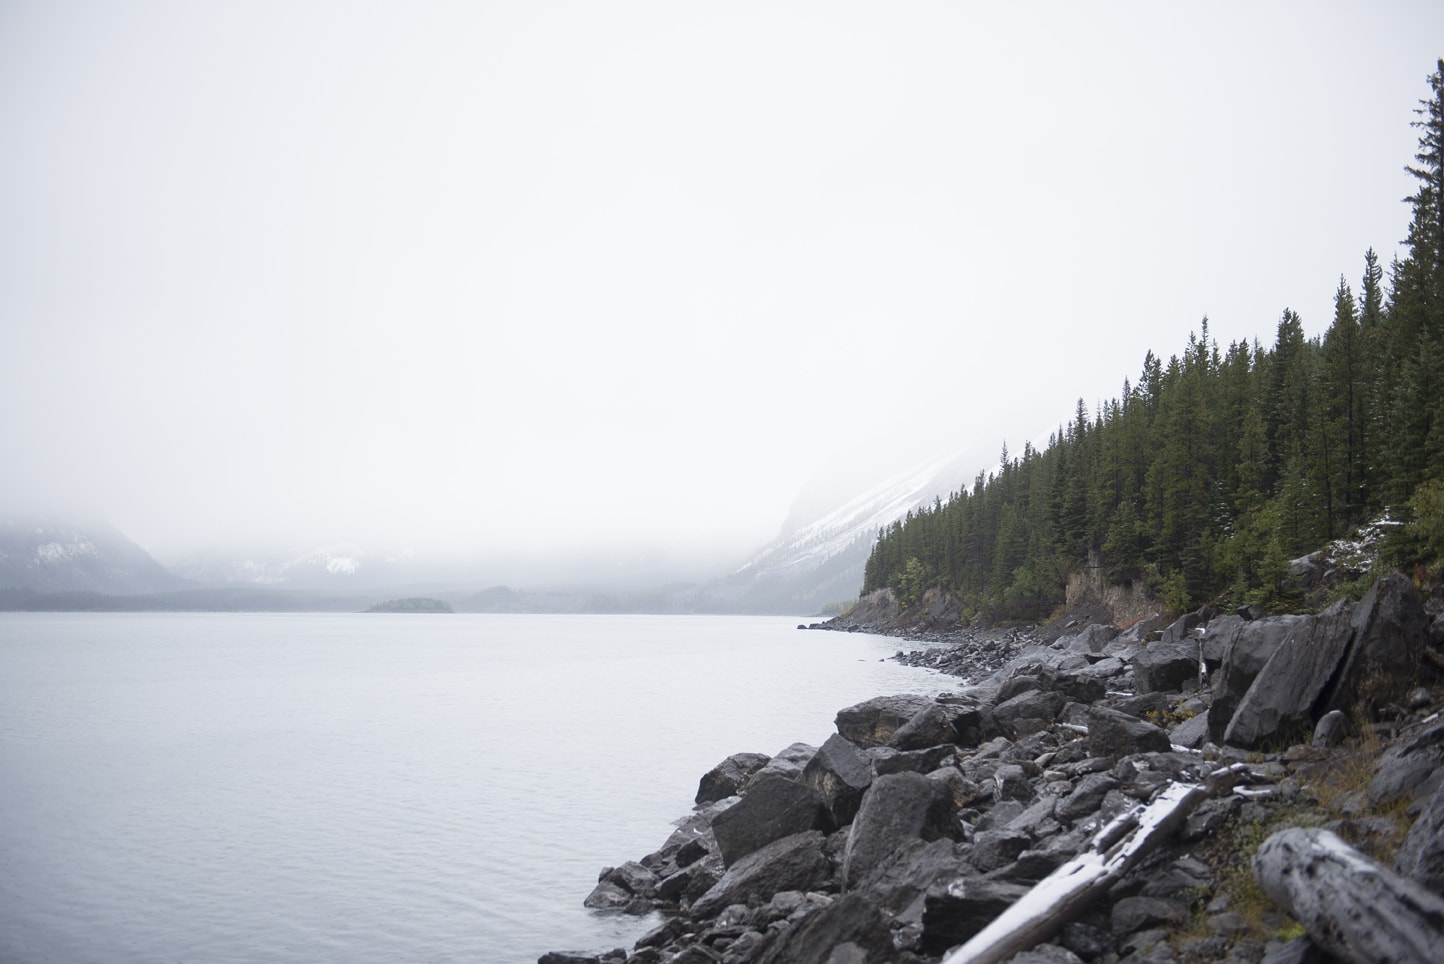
column 210, row 787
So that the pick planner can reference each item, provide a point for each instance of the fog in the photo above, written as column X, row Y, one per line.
column 552, row 277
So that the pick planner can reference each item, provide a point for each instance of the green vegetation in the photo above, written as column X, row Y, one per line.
column 1207, row 476
column 412, row 604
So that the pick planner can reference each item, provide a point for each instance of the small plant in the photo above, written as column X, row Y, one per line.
column 1169, row 717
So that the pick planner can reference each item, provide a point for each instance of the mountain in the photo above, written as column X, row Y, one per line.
column 48, row 556
column 817, row 559
column 342, row 566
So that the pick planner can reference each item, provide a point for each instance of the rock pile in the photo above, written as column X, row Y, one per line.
column 925, row 816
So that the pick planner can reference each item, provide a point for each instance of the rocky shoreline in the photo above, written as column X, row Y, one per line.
column 925, row 817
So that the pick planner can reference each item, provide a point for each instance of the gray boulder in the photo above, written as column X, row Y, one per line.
column 929, row 726
column 791, row 863
column 955, row 911
column 773, row 807
column 873, row 722
column 1028, row 711
column 729, row 777
column 897, row 808
column 905, row 876
column 1382, row 665
column 1164, row 666
column 1247, row 646
column 789, row 761
column 1112, row 734
column 1092, row 640
column 851, row 928
column 1421, row 857
column 1409, row 767
column 840, row 772
column 1280, row 703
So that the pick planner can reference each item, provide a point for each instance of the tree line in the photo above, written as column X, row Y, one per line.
column 1209, row 473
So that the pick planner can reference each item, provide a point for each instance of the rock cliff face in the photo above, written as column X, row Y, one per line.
column 926, row 816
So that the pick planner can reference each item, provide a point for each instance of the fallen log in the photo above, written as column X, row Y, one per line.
column 1066, row 893
column 1352, row 908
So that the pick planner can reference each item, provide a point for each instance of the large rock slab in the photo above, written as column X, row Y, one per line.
column 773, row 807
column 1286, row 699
column 1390, row 627
column 791, row 863
column 840, row 772
column 873, row 722
column 898, row 808
column 1247, row 647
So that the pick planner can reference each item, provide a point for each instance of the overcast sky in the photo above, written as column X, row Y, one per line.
column 484, row 274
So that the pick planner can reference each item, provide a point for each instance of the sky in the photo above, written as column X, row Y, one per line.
column 566, row 275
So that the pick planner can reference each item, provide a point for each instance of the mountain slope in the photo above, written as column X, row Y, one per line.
column 817, row 559
column 47, row 555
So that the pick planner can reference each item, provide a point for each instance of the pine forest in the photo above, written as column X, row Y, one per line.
column 1218, row 466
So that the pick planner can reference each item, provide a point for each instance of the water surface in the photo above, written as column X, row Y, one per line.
column 330, row 787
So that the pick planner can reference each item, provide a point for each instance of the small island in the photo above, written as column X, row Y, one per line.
column 412, row 604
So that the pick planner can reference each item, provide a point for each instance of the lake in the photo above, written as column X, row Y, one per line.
column 333, row 787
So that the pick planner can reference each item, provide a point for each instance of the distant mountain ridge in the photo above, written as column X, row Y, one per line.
column 815, row 562
column 342, row 565
column 52, row 556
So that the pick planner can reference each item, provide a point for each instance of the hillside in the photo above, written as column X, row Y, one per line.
column 52, row 556
column 1205, row 478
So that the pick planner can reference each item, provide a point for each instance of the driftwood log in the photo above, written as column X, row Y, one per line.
column 1066, row 893
column 1351, row 907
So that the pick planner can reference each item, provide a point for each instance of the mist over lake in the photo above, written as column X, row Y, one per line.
column 307, row 787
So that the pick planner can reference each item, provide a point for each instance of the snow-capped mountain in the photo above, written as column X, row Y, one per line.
column 48, row 555
column 338, row 566
column 818, row 557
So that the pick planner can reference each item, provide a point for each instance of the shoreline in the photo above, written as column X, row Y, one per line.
column 923, row 817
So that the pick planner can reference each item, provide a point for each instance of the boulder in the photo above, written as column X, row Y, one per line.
column 955, row 911
column 1409, row 766
column 791, row 863
column 929, row 726
column 1421, row 857
column 897, row 808
column 905, row 876
column 887, row 760
column 1192, row 732
column 1281, row 702
column 1247, row 646
column 1028, row 711
column 840, row 772
column 1086, row 797
column 873, row 722
column 1384, row 657
column 1112, row 734
column 1092, row 640
column 773, row 807
column 993, row 849
column 790, row 761
column 1164, row 666
column 729, row 777
column 851, row 928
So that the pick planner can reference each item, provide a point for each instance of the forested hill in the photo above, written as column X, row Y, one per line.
column 1218, row 466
